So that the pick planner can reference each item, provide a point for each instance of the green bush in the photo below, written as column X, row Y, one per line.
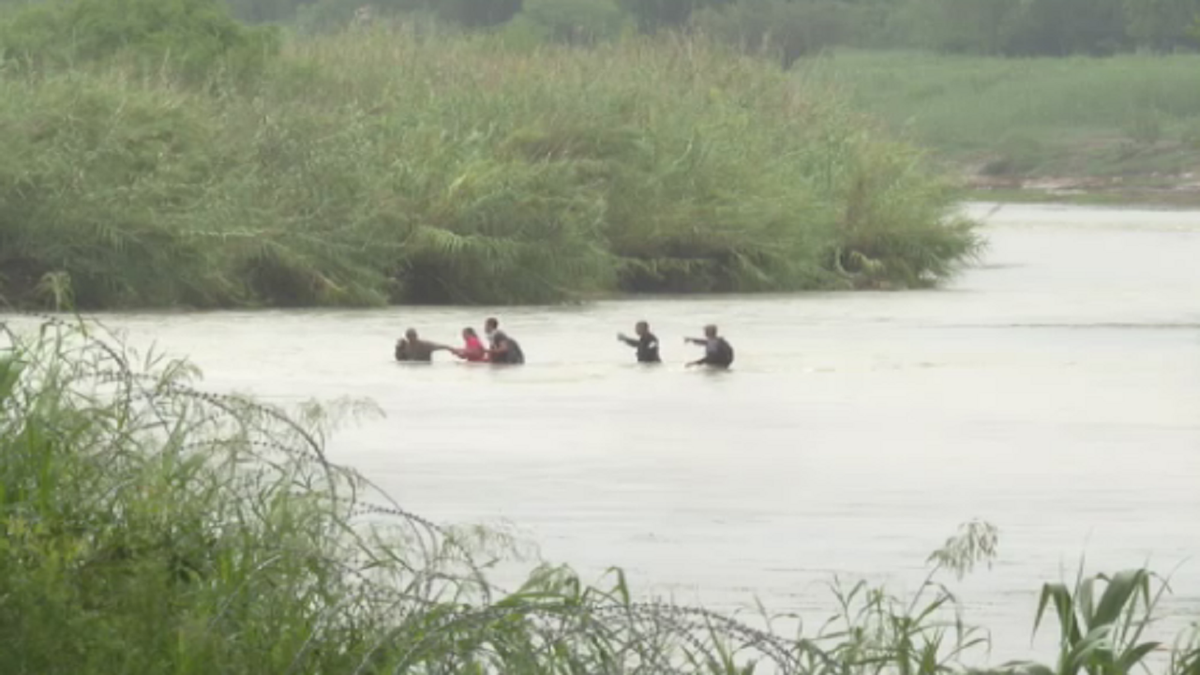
column 384, row 165
column 476, row 13
column 573, row 22
column 1044, row 116
column 327, row 16
column 1016, row 154
column 1145, row 126
column 189, row 38
column 785, row 30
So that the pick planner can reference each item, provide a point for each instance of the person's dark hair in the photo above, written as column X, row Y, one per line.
column 492, row 322
column 470, row 331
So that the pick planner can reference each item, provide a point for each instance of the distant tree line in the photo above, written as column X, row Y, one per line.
column 792, row 28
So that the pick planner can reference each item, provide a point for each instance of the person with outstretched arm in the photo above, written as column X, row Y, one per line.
column 504, row 349
column 717, row 351
column 412, row 348
column 646, row 343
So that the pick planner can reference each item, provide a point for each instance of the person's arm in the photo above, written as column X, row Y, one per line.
column 467, row 353
column 695, row 341
column 629, row 341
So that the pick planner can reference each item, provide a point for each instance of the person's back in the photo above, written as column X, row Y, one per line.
column 505, row 350
column 413, row 348
column 718, row 353
column 647, row 349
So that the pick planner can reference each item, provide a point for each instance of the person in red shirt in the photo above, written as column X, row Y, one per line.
column 473, row 349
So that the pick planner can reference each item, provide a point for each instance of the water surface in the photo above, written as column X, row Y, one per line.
column 1053, row 390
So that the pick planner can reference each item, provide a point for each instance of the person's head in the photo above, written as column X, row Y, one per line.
column 642, row 328
column 469, row 332
column 491, row 325
column 411, row 334
column 710, row 331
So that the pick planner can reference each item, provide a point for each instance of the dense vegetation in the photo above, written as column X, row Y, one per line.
column 794, row 27
column 172, row 157
column 1133, row 118
column 149, row 527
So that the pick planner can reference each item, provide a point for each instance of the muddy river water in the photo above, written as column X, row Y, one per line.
column 1053, row 390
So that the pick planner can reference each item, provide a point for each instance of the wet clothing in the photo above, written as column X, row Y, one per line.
column 512, row 355
column 717, row 353
column 473, row 350
column 647, row 348
column 415, row 350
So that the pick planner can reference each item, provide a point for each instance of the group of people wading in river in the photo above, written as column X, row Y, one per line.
column 504, row 350
column 501, row 348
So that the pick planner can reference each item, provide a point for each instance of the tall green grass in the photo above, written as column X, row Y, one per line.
column 150, row 527
column 1129, row 114
column 391, row 165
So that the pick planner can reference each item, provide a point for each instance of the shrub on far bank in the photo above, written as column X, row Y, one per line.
column 572, row 22
column 191, row 39
column 785, row 31
column 383, row 165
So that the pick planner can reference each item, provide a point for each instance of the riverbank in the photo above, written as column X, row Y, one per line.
column 1175, row 192
column 393, row 166
column 1124, row 129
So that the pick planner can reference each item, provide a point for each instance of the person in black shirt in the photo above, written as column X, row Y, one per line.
column 504, row 349
column 717, row 352
column 647, row 343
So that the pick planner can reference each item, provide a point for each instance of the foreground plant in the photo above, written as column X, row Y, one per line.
column 1105, row 636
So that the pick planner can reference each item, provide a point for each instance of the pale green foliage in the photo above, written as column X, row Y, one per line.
column 1041, row 116
column 778, row 28
column 389, row 165
column 1102, row 636
column 575, row 22
column 975, row 543
column 188, row 39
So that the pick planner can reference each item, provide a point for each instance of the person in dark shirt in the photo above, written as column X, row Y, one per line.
column 717, row 352
column 504, row 349
column 412, row 348
column 647, row 343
